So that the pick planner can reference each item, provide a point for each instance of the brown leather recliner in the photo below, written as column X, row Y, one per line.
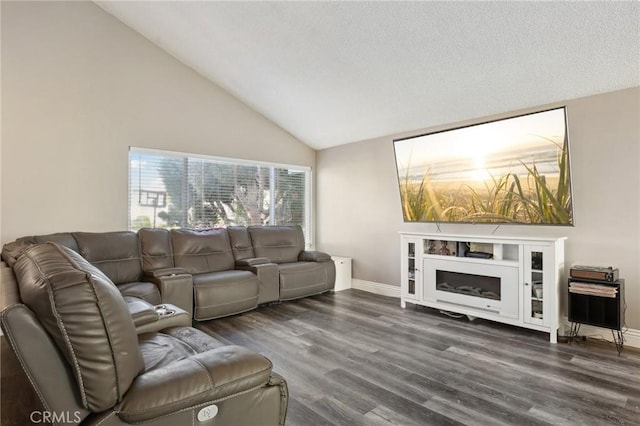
column 218, row 288
column 77, row 343
column 117, row 255
column 302, row 273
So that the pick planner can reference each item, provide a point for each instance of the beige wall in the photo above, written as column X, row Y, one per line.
column 79, row 88
column 359, row 212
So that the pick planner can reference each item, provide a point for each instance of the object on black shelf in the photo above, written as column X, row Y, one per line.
column 536, row 289
column 536, row 261
column 593, row 289
column 462, row 248
column 597, row 273
column 479, row 254
column 444, row 249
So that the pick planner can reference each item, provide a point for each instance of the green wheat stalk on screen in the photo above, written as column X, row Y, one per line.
column 505, row 199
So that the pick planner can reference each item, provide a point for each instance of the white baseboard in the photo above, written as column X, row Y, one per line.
column 631, row 336
column 377, row 288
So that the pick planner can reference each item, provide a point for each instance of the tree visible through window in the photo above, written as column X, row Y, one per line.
column 178, row 191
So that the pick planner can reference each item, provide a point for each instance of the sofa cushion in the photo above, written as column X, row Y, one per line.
column 301, row 279
column 13, row 250
column 155, row 246
column 117, row 254
column 202, row 251
column 210, row 376
column 240, row 242
column 86, row 316
column 280, row 244
column 142, row 290
column 174, row 344
column 62, row 238
column 217, row 294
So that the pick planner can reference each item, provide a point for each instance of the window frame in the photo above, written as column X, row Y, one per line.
column 308, row 186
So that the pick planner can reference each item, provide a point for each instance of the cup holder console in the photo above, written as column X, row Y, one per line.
column 163, row 311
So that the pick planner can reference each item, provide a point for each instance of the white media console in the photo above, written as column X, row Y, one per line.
column 506, row 279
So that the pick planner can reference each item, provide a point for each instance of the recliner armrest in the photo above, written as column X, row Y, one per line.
column 42, row 361
column 268, row 280
column 175, row 318
column 164, row 272
column 314, row 256
column 141, row 311
column 176, row 289
column 254, row 261
column 188, row 382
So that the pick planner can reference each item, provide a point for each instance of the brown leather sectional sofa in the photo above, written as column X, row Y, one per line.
column 90, row 361
column 101, row 322
column 209, row 274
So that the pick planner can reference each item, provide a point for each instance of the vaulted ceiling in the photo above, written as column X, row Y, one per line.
column 337, row 72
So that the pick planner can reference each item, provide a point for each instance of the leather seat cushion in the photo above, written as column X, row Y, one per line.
column 217, row 294
column 86, row 316
column 142, row 290
column 299, row 279
column 204, row 377
column 174, row 344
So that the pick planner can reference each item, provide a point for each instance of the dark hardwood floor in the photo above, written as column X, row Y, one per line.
column 355, row 358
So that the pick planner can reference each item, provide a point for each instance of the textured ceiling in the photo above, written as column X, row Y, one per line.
column 337, row 72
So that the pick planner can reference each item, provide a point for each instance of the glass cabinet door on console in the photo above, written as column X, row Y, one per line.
column 411, row 275
column 536, row 284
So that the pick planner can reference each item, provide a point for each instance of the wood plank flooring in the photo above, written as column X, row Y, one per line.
column 355, row 358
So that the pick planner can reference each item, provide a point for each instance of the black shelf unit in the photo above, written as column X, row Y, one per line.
column 605, row 312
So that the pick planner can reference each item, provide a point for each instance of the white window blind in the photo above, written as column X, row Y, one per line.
column 172, row 190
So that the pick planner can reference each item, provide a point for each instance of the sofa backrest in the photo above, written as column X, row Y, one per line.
column 87, row 318
column 240, row 242
column 198, row 252
column 117, row 254
column 280, row 244
column 155, row 247
column 62, row 238
column 11, row 251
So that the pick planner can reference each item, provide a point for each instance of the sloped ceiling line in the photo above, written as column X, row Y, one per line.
column 332, row 73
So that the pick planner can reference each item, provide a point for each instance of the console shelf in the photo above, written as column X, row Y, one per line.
column 507, row 279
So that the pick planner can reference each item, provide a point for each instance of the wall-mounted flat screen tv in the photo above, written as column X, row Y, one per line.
column 515, row 170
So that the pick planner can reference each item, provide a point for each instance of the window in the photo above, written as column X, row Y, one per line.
column 173, row 190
